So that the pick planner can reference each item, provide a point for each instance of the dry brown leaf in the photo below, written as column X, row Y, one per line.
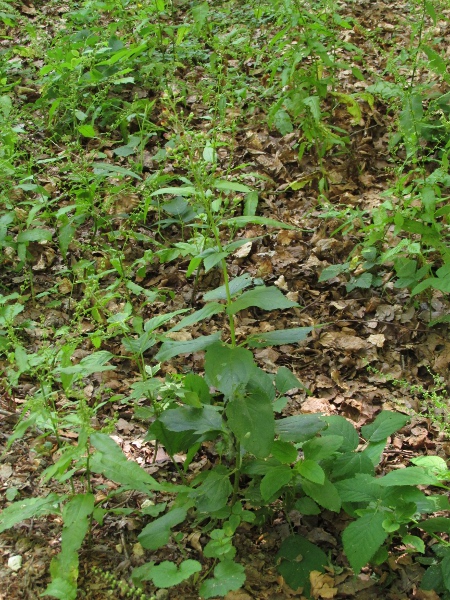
column 322, row 585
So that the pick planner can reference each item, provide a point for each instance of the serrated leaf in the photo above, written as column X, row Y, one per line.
column 214, row 491
column 166, row 574
column 324, row 494
column 311, row 471
column 435, row 524
column 307, row 506
column 228, row 369
column 274, row 480
column 333, row 271
column 157, row 534
column 408, row 476
column 282, row 122
column 228, row 576
column 266, row 298
column 284, row 452
column 170, row 349
column 298, row 559
column 338, row 425
column 323, row 447
column 363, row 538
column 187, row 418
column 352, row 463
column 361, row 488
column 386, row 423
column 415, row 542
column 279, row 337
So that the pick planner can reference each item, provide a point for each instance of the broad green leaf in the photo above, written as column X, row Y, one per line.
column 159, row 320
column 386, row 423
column 279, row 337
column 307, row 506
column 266, row 298
column 235, row 286
column 242, row 221
column 214, row 491
column 435, row 524
column 311, row 470
column 374, row 451
column 212, row 259
column 324, row 494
column 64, row 567
column 228, row 576
column 323, row 447
column 285, row 452
column 210, row 309
column 299, row 428
column 435, row 61
column 112, row 462
column 415, row 542
column 197, row 384
column 93, row 363
column 338, row 425
column 166, row 574
column 170, row 349
column 362, row 538
column 313, row 103
column 177, row 191
column 282, row 122
column 298, row 559
column 27, row 509
column 275, row 479
column 228, row 369
column 172, row 441
column 34, row 235
column 232, row 186
column 408, row 476
column 107, row 170
column 445, row 569
column 435, row 464
column 351, row 463
column 87, row 131
column 361, row 488
column 285, row 380
column 251, row 419
column 432, row 579
column 157, row 533
column 188, row 418
column 333, row 271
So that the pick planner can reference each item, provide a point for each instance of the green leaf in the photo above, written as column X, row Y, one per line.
column 445, row 568
column 210, row 309
column 213, row 493
column 375, row 451
column 298, row 428
column 112, row 462
column 284, row 452
column 170, row 349
column 285, row 380
column 362, row 538
column 408, row 476
column 93, row 363
column 282, row 122
column 307, row 506
column 298, row 558
column 228, row 576
column 311, row 471
column 108, row 170
column 236, row 285
column 242, row 221
column 188, row 418
column 338, row 425
column 323, row 447
column 64, row 567
column 333, row 271
column 87, row 131
column 28, row 509
column 415, row 542
column 166, row 574
column 231, row 186
column 266, row 298
column 228, row 369
column 386, row 423
column 361, row 488
column 177, row 191
column 279, row 337
column 34, row 235
column 313, row 103
column 172, row 441
column 157, row 534
column 435, row 524
column 325, row 494
column 275, row 479
column 435, row 61
column 351, row 463
column 252, row 421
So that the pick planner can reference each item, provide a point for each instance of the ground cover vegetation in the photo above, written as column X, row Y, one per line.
column 224, row 299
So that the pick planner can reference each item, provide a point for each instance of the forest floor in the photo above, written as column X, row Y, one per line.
column 368, row 339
